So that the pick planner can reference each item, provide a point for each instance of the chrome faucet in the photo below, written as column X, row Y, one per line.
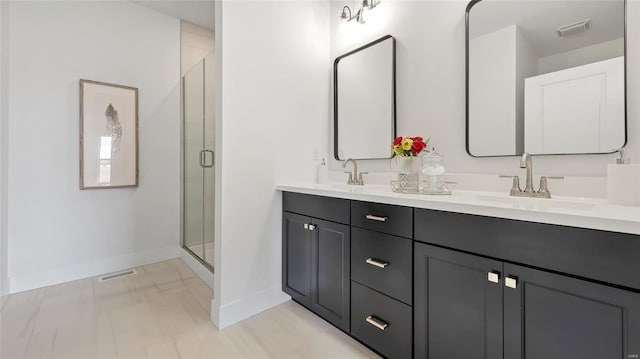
column 542, row 192
column 525, row 162
column 355, row 178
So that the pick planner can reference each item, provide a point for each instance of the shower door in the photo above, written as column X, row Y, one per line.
column 198, row 171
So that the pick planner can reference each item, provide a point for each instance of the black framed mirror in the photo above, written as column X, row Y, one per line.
column 545, row 77
column 364, row 101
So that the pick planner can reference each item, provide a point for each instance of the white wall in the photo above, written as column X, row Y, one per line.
column 4, row 133
column 274, row 104
column 633, row 79
column 57, row 232
column 526, row 65
column 430, row 84
column 492, row 114
column 196, row 42
column 582, row 56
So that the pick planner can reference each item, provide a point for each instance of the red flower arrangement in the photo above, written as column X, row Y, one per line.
column 409, row 146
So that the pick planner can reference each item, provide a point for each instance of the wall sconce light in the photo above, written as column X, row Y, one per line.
column 361, row 15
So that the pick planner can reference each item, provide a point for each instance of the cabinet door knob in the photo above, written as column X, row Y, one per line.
column 306, row 226
column 377, row 322
column 377, row 263
column 493, row 277
column 376, row 218
column 312, row 227
column 511, row 282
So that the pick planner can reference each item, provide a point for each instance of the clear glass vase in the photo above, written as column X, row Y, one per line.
column 408, row 172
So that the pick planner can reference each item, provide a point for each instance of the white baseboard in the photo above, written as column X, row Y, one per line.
column 21, row 283
column 229, row 314
column 198, row 268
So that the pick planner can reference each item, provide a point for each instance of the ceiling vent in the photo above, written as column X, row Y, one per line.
column 573, row 28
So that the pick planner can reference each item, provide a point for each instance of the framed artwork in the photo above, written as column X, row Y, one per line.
column 108, row 135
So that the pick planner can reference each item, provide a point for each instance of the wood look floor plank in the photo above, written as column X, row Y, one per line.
column 161, row 312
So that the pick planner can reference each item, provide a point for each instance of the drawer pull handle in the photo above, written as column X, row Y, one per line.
column 376, row 218
column 511, row 282
column 377, row 263
column 493, row 277
column 377, row 322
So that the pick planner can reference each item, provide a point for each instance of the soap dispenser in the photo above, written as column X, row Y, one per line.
column 323, row 172
column 623, row 182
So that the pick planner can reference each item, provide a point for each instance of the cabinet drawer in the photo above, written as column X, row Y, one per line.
column 608, row 257
column 371, row 312
column 382, row 262
column 328, row 208
column 383, row 218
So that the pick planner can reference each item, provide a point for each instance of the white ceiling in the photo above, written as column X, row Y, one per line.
column 199, row 12
column 538, row 20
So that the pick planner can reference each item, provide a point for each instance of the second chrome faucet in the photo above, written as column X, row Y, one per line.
column 542, row 192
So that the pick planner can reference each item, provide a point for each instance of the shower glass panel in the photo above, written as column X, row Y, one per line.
column 198, row 161
column 209, row 145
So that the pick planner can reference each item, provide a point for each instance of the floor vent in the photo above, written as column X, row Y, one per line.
column 115, row 275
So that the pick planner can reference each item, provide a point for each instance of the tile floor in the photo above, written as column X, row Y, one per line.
column 162, row 312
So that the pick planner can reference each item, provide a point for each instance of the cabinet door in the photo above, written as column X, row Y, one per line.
column 457, row 305
column 330, row 272
column 550, row 316
column 296, row 257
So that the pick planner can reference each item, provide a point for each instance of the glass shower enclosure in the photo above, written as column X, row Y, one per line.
column 198, row 165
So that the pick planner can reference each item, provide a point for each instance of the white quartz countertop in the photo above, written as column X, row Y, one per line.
column 592, row 213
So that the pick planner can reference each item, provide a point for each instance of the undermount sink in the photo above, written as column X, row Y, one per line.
column 526, row 202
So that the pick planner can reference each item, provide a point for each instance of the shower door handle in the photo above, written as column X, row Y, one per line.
column 202, row 158
column 205, row 165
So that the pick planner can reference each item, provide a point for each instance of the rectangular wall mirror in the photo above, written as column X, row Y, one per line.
column 545, row 77
column 365, row 101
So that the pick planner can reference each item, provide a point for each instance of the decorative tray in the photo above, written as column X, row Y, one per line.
column 423, row 187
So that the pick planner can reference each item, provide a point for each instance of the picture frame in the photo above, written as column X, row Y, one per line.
column 108, row 135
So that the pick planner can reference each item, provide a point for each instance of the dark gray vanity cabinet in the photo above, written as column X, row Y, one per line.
column 296, row 254
column 457, row 306
column 382, row 262
column 428, row 284
column 381, row 277
column 316, row 256
column 491, row 305
column 330, row 272
column 550, row 316
column 381, row 322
